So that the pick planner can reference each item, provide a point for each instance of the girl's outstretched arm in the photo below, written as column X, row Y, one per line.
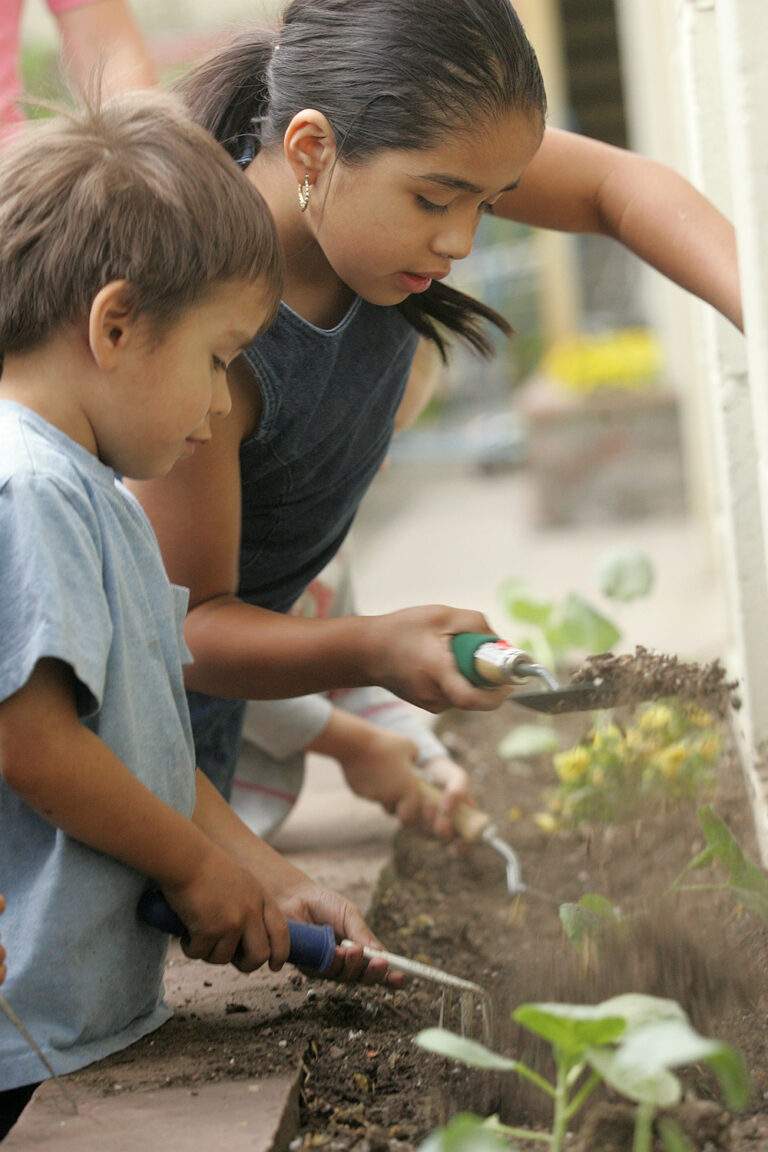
column 575, row 184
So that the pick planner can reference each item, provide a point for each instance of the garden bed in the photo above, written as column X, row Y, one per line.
column 699, row 949
column 367, row 1087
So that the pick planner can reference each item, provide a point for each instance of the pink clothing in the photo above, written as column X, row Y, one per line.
column 10, row 31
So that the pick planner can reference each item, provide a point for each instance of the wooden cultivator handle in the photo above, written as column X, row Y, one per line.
column 470, row 823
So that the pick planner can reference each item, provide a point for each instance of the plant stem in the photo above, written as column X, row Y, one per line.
column 522, row 1133
column 529, row 1074
column 582, row 1095
column 643, row 1141
column 560, row 1122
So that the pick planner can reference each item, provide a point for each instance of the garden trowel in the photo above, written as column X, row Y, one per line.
column 487, row 662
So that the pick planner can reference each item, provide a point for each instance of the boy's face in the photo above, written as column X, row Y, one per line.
column 161, row 399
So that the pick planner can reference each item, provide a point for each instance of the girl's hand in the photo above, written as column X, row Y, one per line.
column 409, row 652
column 229, row 917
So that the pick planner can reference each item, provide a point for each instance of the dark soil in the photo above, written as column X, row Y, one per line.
column 453, row 911
column 367, row 1087
column 645, row 675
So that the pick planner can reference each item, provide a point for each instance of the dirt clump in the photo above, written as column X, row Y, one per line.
column 645, row 675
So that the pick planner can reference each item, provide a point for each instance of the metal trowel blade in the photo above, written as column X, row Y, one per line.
column 579, row 698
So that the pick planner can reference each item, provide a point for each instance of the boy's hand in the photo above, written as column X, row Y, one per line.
column 308, row 902
column 229, row 917
column 409, row 652
column 455, row 788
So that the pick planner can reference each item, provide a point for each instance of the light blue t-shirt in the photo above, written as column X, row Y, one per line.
column 82, row 580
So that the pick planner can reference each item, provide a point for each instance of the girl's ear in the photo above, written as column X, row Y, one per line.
column 111, row 323
column 309, row 145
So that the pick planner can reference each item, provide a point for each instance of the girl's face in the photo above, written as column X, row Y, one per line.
column 391, row 225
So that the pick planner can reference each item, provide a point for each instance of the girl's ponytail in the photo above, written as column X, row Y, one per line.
column 228, row 93
column 443, row 311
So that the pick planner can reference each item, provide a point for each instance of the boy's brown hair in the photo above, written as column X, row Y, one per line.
column 131, row 190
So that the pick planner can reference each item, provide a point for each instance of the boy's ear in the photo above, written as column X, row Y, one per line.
column 112, row 323
column 309, row 145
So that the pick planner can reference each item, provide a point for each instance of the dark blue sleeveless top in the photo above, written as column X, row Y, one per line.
column 329, row 398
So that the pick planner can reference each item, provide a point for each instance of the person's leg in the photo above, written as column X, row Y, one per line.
column 265, row 789
column 12, row 1103
column 217, row 726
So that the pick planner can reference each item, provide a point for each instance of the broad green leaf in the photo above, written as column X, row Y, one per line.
column 465, row 1133
column 571, row 1028
column 672, row 1136
column 445, row 1043
column 529, row 740
column 722, row 842
column 646, row 1052
column 587, row 916
column 639, row 1010
column 579, row 625
column 748, row 882
column 729, row 1067
column 644, row 1085
column 522, row 606
column 625, row 574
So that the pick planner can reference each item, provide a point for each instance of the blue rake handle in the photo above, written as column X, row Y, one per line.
column 313, row 946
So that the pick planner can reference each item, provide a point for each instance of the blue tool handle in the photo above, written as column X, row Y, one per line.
column 313, row 946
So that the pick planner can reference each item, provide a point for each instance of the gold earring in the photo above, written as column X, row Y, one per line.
column 304, row 193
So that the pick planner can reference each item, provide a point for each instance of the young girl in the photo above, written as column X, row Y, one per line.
column 378, row 131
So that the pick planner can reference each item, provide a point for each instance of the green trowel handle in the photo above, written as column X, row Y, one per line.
column 464, row 645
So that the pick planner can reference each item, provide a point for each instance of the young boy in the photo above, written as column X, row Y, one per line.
column 135, row 262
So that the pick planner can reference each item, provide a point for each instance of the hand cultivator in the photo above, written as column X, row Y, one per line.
column 313, row 947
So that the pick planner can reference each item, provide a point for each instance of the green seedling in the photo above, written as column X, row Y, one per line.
column 529, row 740
column 625, row 574
column 467, row 1133
column 746, row 882
column 632, row 1043
column 553, row 631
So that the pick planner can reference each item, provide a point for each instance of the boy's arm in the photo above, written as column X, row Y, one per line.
column 297, row 895
column 575, row 184
column 70, row 776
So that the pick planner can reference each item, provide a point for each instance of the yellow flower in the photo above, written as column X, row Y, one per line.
column 709, row 747
column 655, row 719
column 571, row 766
column 634, row 740
column 670, row 760
column 700, row 718
column 606, row 736
column 545, row 821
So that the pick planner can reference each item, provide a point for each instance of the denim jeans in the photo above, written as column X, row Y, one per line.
column 217, row 726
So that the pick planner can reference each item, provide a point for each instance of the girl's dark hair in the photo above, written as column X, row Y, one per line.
column 388, row 74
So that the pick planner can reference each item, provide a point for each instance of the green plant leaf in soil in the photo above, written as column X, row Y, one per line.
column 630, row 1042
column 746, row 881
column 466, row 1133
column 625, row 574
column 529, row 740
column 587, row 917
column 554, row 630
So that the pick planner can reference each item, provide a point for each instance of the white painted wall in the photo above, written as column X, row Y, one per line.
column 698, row 96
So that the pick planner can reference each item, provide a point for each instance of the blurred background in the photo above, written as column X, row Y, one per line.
column 610, row 420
